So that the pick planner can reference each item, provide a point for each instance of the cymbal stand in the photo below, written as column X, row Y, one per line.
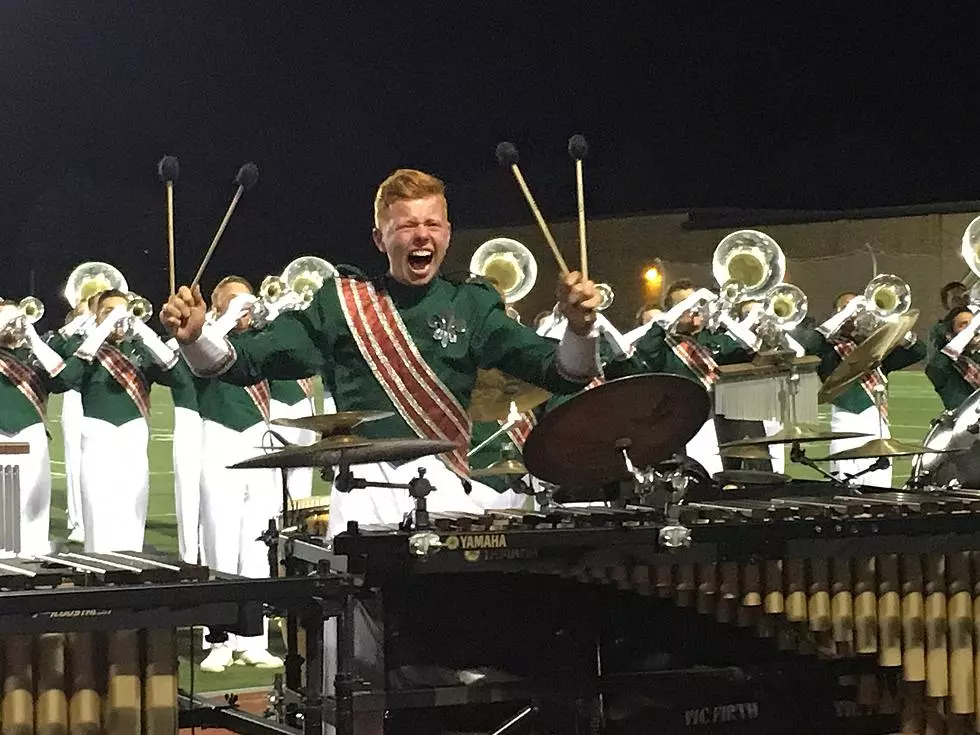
column 797, row 455
column 513, row 416
column 651, row 482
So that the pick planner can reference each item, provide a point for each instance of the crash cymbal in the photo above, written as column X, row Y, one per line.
column 867, row 356
column 749, row 451
column 503, row 468
column 326, row 453
column 791, row 434
column 577, row 444
column 333, row 423
column 884, row 448
column 494, row 391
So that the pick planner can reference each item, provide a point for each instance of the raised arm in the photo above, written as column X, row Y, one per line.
column 293, row 346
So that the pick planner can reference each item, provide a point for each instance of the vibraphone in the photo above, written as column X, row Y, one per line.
column 87, row 641
column 884, row 588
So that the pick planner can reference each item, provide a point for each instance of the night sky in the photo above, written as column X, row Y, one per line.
column 684, row 105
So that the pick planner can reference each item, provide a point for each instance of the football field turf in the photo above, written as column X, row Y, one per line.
column 913, row 404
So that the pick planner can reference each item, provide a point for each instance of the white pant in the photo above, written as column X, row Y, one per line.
column 866, row 422
column 71, row 431
column 703, row 448
column 387, row 506
column 777, row 452
column 35, row 488
column 300, row 479
column 188, row 432
column 115, row 484
column 236, row 506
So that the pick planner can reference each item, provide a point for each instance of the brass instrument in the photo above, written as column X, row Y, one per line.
column 91, row 278
column 888, row 296
column 747, row 264
column 306, row 275
column 606, row 296
column 508, row 265
column 32, row 309
column 138, row 307
column 787, row 306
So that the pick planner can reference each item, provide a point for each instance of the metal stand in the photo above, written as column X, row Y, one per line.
column 668, row 491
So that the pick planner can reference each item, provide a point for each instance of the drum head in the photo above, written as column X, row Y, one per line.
column 957, row 430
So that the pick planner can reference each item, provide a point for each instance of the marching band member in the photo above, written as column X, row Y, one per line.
column 952, row 295
column 646, row 314
column 113, row 371
column 79, row 321
column 409, row 341
column 186, row 450
column 236, row 505
column 954, row 379
column 29, row 371
column 857, row 409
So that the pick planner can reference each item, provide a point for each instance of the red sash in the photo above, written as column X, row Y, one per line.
column 26, row 379
column 869, row 382
column 420, row 397
column 307, row 385
column 127, row 375
column 697, row 359
column 969, row 370
column 519, row 432
column 261, row 396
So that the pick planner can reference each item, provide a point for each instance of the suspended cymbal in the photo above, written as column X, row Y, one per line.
column 503, row 468
column 577, row 445
column 749, row 451
column 333, row 423
column 326, row 453
column 790, row 435
column 494, row 391
column 867, row 356
column 884, row 448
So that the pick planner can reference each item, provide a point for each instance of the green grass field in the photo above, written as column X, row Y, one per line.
column 913, row 404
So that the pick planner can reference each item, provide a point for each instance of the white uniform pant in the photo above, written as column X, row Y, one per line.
column 866, row 422
column 299, row 480
column 236, row 506
column 777, row 452
column 388, row 506
column 187, row 438
column 115, row 484
column 703, row 448
column 35, row 488
column 71, row 431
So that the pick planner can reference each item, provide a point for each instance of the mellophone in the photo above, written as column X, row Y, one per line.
column 888, row 576
column 88, row 641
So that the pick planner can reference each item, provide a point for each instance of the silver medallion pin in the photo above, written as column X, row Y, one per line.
column 446, row 328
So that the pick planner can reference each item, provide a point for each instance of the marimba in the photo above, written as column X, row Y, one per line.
column 887, row 580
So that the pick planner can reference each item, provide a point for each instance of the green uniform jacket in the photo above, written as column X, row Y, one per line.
column 102, row 396
column 216, row 400
column 308, row 342
column 289, row 392
column 16, row 411
column 855, row 399
column 183, row 387
column 947, row 380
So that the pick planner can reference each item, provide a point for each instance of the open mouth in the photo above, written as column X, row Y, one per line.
column 420, row 260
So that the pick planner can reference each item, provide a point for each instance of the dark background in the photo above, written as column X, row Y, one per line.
column 685, row 104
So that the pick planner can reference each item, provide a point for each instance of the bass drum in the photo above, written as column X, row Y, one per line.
column 959, row 429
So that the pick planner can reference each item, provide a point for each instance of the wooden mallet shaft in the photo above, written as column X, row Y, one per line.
column 218, row 234
column 580, row 194
column 545, row 230
column 170, row 236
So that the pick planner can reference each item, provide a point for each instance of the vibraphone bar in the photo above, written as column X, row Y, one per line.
column 87, row 641
column 890, row 577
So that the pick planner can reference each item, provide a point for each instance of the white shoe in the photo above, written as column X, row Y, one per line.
column 77, row 535
column 261, row 659
column 218, row 660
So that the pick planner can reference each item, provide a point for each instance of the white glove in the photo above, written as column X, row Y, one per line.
column 833, row 325
column 80, row 323
column 50, row 360
column 957, row 346
column 226, row 322
column 162, row 355
column 86, row 351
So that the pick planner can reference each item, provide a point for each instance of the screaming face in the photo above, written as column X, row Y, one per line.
column 414, row 234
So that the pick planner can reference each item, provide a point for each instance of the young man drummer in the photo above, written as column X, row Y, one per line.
column 113, row 369
column 409, row 342
column 954, row 379
column 29, row 370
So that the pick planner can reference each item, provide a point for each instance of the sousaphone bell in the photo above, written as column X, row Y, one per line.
column 91, row 278
column 509, row 266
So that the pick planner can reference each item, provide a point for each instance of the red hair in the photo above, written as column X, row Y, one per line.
column 405, row 183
